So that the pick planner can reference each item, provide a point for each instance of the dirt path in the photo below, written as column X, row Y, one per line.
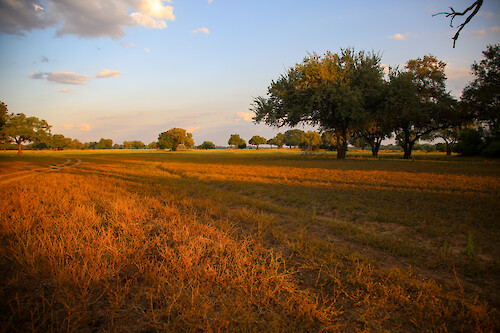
column 15, row 176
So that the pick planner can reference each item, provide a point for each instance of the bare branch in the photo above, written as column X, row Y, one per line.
column 474, row 8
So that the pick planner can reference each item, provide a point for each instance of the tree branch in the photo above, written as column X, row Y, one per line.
column 474, row 8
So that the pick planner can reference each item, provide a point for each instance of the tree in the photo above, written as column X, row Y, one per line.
column 104, row 144
column 473, row 9
column 21, row 129
column 449, row 135
column 311, row 140
column 329, row 91
column 59, row 142
column 4, row 117
column 329, row 140
column 417, row 101
column 257, row 140
column 175, row 137
column 235, row 140
column 133, row 144
column 293, row 137
column 481, row 98
column 153, row 145
column 278, row 140
column 207, row 145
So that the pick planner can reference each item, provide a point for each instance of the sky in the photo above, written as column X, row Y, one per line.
column 131, row 69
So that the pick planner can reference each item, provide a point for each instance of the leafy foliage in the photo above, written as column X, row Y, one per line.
column 207, row 145
column 331, row 91
column 236, row 141
column 21, row 129
column 257, row 140
column 173, row 138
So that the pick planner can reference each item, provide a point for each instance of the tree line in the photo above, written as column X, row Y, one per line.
column 350, row 98
column 348, row 95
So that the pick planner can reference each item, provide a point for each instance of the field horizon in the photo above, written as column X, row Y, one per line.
column 254, row 240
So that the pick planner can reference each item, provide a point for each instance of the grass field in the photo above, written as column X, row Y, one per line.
column 248, row 241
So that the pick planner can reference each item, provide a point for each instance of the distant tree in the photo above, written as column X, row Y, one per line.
column 293, row 137
column 330, row 91
column 21, row 129
column 417, row 101
column 75, row 144
column 90, row 145
column 104, row 144
column 133, row 144
column 278, row 140
column 449, row 136
column 59, row 142
column 235, row 140
column 257, row 140
column 175, row 137
column 311, row 140
column 207, row 145
column 473, row 9
column 153, row 145
column 360, row 143
column 242, row 145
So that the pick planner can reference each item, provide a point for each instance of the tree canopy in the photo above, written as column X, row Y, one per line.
column 21, row 129
column 175, row 137
column 236, row 141
column 257, row 140
column 329, row 91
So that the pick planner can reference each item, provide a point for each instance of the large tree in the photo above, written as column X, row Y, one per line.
column 21, row 129
column 418, row 102
column 481, row 98
column 175, row 137
column 327, row 91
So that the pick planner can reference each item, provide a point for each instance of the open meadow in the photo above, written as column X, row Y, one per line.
column 266, row 240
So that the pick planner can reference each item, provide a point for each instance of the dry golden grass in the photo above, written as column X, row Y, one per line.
column 179, row 242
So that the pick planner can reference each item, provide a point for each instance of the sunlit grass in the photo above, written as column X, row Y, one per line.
column 251, row 241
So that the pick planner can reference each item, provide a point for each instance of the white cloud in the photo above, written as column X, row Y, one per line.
column 147, row 50
column 201, row 31
column 107, row 73
column 148, row 21
column 86, row 19
column 399, row 36
column 246, row 116
column 210, row 1
column 485, row 32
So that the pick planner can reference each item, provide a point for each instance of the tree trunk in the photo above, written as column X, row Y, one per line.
column 407, row 146
column 448, row 149
column 19, row 151
column 341, row 145
column 376, row 147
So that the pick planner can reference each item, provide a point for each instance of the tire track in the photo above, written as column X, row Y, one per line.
column 29, row 173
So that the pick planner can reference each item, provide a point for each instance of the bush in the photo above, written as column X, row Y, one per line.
column 492, row 150
column 470, row 142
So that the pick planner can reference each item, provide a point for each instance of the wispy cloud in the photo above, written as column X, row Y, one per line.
column 201, row 31
column 72, row 78
column 399, row 36
column 127, row 45
column 107, row 73
column 147, row 50
column 192, row 129
column 210, row 1
column 65, row 90
column 245, row 116
column 86, row 19
column 486, row 32
column 84, row 127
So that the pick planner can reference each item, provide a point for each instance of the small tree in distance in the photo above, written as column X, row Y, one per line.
column 257, row 140
column 207, row 145
column 236, row 141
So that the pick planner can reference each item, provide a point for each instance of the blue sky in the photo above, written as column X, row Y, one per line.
column 131, row 69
